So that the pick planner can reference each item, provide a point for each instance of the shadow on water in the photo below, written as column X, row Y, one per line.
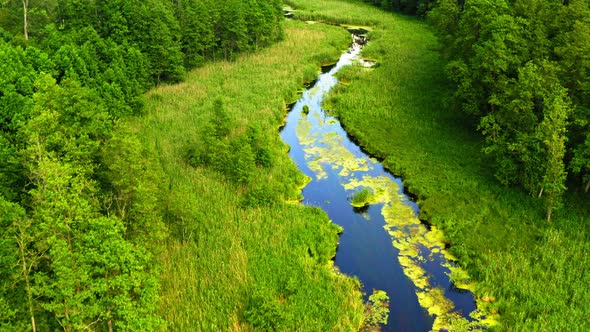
column 368, row 248
column 361, row 210
column 327, row 68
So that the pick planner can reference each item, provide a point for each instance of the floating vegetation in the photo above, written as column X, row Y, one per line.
column 408, row 235
column 304, row 134
column 362, row 198
column 327, row 149
column 305, row 109
column 412, row 238
column 327, row 154
column 376, row 311
column 318, row 118
column 318, row 169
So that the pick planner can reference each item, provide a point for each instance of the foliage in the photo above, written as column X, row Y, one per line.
column 248, row 258
column 411, row 7
column 362, row 197
column 264, row 311
column 508, row 61
column 83, row 226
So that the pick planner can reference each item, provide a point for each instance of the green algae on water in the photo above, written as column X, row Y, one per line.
column 324, row 152
column 408, row 236
column 327, row 150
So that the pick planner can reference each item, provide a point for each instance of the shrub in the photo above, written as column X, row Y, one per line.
column 263, row 310
column 362, row 198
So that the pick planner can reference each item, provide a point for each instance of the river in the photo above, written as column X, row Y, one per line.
column 383, row 244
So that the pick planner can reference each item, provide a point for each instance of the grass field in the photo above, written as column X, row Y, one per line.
column 533, row 273
column 240, row 257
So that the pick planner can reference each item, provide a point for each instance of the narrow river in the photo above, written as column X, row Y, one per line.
column 384, row 244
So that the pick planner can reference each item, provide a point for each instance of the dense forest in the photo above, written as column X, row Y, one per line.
column 410, row 7
column 521, row 70
column 80, row 204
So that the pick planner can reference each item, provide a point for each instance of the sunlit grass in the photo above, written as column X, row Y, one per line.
column 223, row 254
column 534, row 274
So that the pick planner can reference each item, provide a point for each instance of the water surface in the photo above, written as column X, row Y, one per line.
column 384, row 244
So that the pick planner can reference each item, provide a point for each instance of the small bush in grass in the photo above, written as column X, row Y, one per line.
column 362, row 198
column 260, row 196
column 260, row 142
column 263, row 311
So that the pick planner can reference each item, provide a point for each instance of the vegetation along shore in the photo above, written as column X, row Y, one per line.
column 144, row 185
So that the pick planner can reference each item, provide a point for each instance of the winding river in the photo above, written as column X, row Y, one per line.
column 384, row 243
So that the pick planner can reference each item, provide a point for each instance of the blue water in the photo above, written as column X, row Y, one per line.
column 365, row 248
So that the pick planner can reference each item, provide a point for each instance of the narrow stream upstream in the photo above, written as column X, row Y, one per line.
column 383, row 244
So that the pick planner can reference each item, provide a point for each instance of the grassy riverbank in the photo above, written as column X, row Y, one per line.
column 240, row 257
column 533, row 274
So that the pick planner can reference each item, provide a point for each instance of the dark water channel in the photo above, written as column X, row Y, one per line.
column 384, row 244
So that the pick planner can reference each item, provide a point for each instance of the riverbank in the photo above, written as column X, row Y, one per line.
column 383, row 242
column 239, row 256
column 532, row 273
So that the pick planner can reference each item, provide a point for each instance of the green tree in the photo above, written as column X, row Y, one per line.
column 232, row 28
column 18, row 261
column 510, row 61
column 96, row 268
column 242, row 163
column 572, row 47
column 155, row 30
column 196, row 19
column 552, row 132
column 445, row 18
column 75, row 14
column 134, row 182
column 581, row 161
column 22, row 13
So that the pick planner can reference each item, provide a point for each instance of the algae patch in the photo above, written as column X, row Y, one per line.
column 418, row 245
column 327, row 154
column 326, row 150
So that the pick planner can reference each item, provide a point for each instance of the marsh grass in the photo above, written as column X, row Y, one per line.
column 362, row 198
column 534, row 274
column 241, row 257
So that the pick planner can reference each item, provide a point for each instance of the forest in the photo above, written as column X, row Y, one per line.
column 80, row 197
column 139, row 155
column 521, row 71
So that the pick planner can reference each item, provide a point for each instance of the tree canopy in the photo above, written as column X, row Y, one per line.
column 79, row 195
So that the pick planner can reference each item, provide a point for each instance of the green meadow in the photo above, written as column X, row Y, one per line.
column 532, row 273
column 241, row 254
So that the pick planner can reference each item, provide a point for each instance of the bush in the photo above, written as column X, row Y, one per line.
column 362, row 198
column 263, row 311
column 305, row 109
column 260, row 196
column 259, row 143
